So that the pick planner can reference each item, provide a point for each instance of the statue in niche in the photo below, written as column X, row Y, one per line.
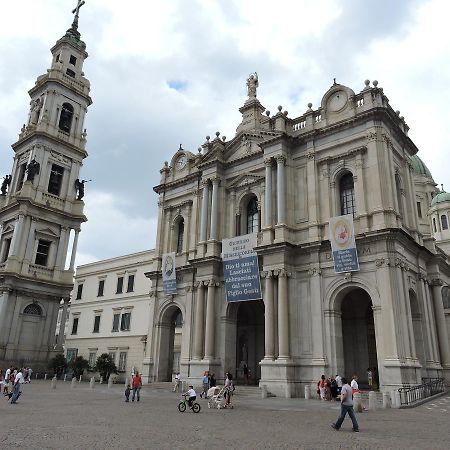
column 5, row 184
column 35, row 111
column 252, row 84
column 79, row 186
column 32, row 169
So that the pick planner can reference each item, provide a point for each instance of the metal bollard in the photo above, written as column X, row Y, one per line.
column 101, row 380
column 65, row 377
column 127, row 382
column 91, row 383
column 36, row 375
column 81, row 377
column 110, row 382
column 386, row 400
column 45, row 376
column 397, row 399
column 372, row 401
column 53, row 383
column 72, row 384
column 307, row 391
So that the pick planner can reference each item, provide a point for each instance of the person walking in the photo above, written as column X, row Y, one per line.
column 212, row 381
column 322, row 387
column 18, row 380
column 136, row 384
column 346, row 407
column 177, row 384
column 339, row 383
column 205, row 383
column 354, row 384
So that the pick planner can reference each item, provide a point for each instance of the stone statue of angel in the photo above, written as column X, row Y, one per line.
column 252, row 84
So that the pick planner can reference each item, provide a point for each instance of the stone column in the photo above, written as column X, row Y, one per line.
column 210, row 321
column 61, row 248
column 204, row 213
column 441, row 325
column 15, row 242
column 281, row 189
column 269, row 331
column 74, row 250
column 62, row 324
column 283, row 315
column 199, row 323
column 268, row 193
column 214, row 208
column 31, row 240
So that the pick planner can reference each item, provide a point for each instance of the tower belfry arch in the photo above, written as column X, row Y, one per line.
column 40, row 209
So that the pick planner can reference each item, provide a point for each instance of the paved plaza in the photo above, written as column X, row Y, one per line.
column 79, row 418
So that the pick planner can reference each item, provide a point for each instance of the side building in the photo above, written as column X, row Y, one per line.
column 109, row 311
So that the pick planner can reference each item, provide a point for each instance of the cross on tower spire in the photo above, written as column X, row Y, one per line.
column 73, row 30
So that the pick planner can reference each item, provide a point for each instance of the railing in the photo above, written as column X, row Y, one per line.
column 428, row 388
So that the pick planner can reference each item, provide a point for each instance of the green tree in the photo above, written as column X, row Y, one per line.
column 78, row 365
column 58, row 363
column 105, row 366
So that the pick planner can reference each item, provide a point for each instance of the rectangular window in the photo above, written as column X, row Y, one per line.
column 92, row 359
column 419, row 210
column 122, row 362
column 70, row 72
column 116, row 320
column 73, row 60
column 6, row 248
column 125, row 322
column 130, row 287
column 75, row 325
column 42, row 252
column 55, row 180
column 79, row 291
column 101, row 288
column 113, row 356
column 71, row 354
column 21, row 177
column 96, row 324
column 119, row 285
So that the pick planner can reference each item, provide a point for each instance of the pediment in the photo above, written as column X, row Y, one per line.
column 246, row 180
column 47, row 232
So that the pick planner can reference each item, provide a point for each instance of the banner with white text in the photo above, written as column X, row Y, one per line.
column 343, row 245
column 168, row 273
column 241, row 268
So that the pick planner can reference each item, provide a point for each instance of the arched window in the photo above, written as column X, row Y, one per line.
column 252, row 216
column 446, row 297
column 398, row 187
column 444, row 222
column 180, row 235
column 65, row 120
column 347, row 193
column 434, row 225
column 33, row 309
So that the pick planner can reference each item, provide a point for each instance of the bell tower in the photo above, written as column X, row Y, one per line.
column 41, row 205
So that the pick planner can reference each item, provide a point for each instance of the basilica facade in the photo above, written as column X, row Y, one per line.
column 283, row 178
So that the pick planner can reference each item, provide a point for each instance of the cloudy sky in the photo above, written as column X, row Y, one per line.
column 173, row 71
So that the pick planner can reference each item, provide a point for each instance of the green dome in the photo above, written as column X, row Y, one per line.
column 441, row 197
column 419, row 167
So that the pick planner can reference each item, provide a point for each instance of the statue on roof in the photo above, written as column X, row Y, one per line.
column 252, row 84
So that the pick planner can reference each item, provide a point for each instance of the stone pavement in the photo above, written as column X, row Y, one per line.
column 78, row 418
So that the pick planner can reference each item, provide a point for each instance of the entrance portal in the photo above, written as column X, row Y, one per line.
column 171, row 333
column 249, row 339
column 358, row 335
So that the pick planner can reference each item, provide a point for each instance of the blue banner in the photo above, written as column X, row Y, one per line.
column 241, row 269
column 343, row 245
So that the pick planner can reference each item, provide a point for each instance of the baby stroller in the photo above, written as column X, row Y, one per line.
column 216, row 397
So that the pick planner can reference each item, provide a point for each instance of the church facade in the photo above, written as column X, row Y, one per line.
column 41, row 206
column 284, row 178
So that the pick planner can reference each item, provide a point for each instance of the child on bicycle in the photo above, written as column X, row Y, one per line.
column 191, row 395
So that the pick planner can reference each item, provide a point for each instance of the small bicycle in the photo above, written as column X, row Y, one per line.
column 183, row 404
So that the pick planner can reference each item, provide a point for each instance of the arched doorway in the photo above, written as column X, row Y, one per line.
column 249, row 339
column 358, row 335
column 171, row 334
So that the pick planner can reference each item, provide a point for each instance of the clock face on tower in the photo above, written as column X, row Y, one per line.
column 337, row 101
column 181, row 162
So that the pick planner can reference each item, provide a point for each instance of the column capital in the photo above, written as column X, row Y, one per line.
column 437, row 282
column 281, row 159
column 205, row 183
column 313, row 271
column 281, row 273
column 268, row 162
column 267, row 274
column 215, row 180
